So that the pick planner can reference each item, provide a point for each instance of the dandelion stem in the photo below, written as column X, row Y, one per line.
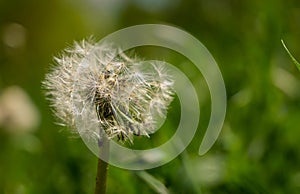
column 102, row 167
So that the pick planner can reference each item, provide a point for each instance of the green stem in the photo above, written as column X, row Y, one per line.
column 292, row 57
column 102, row 167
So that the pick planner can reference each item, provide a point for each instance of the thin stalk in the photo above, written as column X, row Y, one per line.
column 102, row 167
column 292, row 57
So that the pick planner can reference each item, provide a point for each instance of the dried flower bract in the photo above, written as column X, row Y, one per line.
column 95, row 86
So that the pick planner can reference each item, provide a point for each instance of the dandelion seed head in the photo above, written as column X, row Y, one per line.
column 95, row 86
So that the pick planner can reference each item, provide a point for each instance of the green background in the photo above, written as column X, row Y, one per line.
column 258, row 150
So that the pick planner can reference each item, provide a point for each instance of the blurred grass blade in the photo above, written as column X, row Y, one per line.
column 155, row 184
column 190, row 172
column 292, row 57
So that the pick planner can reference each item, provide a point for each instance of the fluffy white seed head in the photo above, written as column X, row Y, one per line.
column 93, row 85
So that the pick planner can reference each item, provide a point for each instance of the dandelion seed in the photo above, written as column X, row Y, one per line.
column 94, row 83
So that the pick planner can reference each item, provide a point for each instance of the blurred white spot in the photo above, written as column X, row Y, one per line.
column 286, row 82
column 242, row 98
column 14, row 35
column 154, row 156
column 208, row 170
column 17, row 111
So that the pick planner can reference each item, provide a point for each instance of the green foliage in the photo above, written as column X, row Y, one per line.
column 258, row 149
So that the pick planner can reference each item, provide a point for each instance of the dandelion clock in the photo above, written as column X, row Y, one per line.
column 102, row 94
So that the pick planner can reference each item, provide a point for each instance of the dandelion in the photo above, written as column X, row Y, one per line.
column 118, row 93
column 98, row 85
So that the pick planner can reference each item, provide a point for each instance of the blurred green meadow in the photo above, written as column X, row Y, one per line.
column 258, row 150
